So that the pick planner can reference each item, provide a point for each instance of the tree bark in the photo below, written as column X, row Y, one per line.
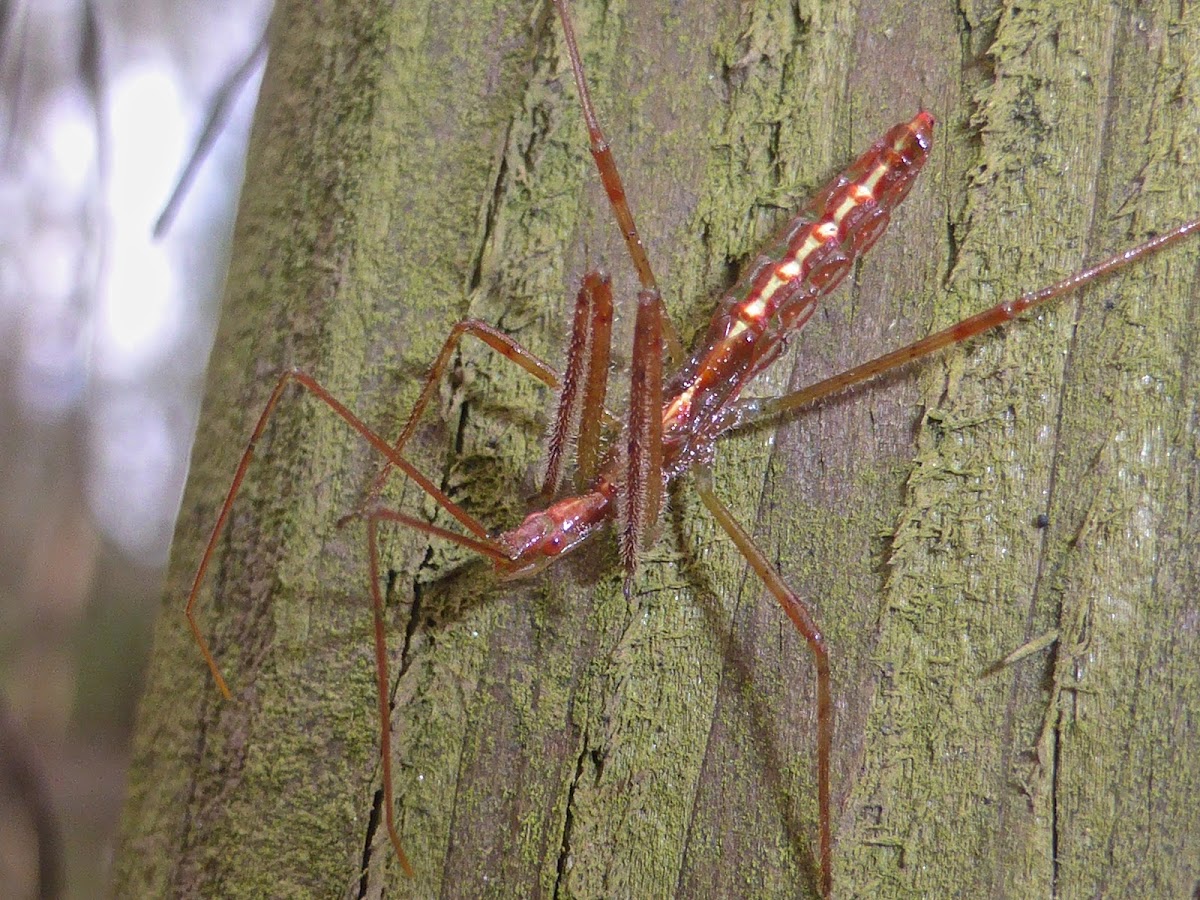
column 414, row 164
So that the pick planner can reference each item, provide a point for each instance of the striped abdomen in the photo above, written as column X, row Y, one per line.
column 778, row 292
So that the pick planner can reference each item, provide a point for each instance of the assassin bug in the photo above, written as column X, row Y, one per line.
column 674, row 423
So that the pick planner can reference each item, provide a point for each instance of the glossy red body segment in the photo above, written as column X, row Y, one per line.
column 777, row 294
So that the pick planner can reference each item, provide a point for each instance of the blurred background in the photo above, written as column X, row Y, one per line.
column 123, row 126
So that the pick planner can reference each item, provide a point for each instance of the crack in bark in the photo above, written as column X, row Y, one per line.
column 564, row 852
column 1055, row 818
column 372, row 828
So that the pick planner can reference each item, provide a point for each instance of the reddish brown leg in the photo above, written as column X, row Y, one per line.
column 613, row 186
column 641, row 492
column 802, row 617
column 383, row 687
column 585, row 382
column 754, row 410
column 502, row 344
column 479, row 540
column 494, row 338
column 382, row 681
column 587, row 447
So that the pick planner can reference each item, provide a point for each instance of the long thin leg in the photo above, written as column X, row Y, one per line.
column 382, row 680
column 585, row 383
column 383, row 683
column 751, row 411
column 613, row 186
column 478, row 541
column 492, row 337
column 498, row 341
column 802, row 617
column 641, row 494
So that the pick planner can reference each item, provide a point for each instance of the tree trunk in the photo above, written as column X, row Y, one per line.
column 414, row 164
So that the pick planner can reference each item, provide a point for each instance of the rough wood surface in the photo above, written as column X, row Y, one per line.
column 413, row 164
